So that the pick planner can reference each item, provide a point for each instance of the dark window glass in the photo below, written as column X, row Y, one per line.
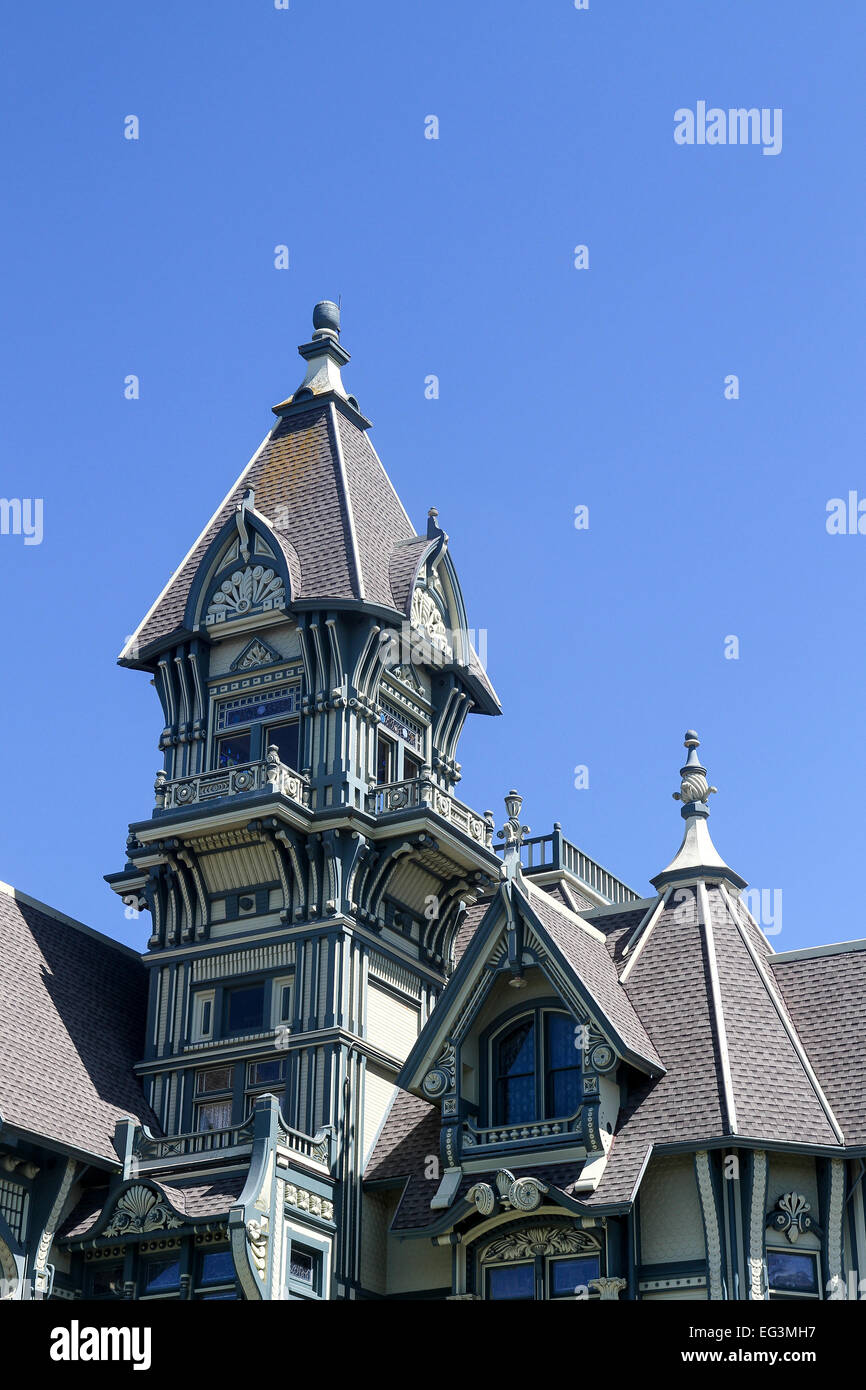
column 106, row 1281
column 245, row 1009
column 511, row 1281
column 246, row 709
column 515, row 1075
column 302, row 1266
column 563, row 1067
column 161, row 1274
column 792, row 1273
column 383, row 760
column 233, row 751
column 285, row 1003
column 205, row 1016
column 263, row 1073
column 285, row 738
column 214, row 1079
column 411, row 768
column 570, row 1277
column 217, row 1267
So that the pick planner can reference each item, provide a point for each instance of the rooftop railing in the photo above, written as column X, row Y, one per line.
column 554, row 852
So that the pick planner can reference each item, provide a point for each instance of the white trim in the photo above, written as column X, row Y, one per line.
column 566, row 911
column 793, row 1038
column 350, row 515
column 835, row 948
column 131, row 642
column 716, row 989
column 649, row 920
column 636, row 905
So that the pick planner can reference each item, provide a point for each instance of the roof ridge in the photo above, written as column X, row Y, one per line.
column 566, row 911
column 19, row 896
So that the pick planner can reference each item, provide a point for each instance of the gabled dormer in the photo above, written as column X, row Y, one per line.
column 526, row 1050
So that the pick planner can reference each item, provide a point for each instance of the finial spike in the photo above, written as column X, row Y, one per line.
column 694, row 787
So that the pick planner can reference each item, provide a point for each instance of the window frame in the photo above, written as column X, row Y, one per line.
column 783, row 1295
column 539, row 1010
column 257, row 726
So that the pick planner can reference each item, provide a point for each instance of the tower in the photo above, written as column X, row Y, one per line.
column 306, row 862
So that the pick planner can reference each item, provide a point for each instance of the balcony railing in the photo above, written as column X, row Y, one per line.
column 553, row 851
column 419, row 792
column 269, row 774
column 150, row 1149
column 550, row 1130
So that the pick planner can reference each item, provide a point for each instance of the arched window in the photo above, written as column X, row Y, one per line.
column 535, row 1069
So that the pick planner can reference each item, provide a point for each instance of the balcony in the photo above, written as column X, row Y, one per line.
column 420, row 793
column 153, row 1152
column 553, row 852
column 203, row 788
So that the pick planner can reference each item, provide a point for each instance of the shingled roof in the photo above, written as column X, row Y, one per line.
column 825, row 993
column 319, row 484
column 72, row 1016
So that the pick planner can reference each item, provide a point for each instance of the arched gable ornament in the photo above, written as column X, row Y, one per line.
column 138, row 1210
column 528, row 1241
column 426, row 617
column 8, row 1272
column 255, row 589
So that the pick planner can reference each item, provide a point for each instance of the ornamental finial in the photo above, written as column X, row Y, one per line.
column 694, row 787
column 512, row 831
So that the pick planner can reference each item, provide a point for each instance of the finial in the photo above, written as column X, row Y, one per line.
column 694, row 787
column 513, row 832
column 326, row 319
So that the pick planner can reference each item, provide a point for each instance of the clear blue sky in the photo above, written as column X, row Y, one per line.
column 559, row 387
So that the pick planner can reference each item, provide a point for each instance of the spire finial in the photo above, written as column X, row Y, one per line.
column 694, row 787
column 512, row 833
column 326, row 319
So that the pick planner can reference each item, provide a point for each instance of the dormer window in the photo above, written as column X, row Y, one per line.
column 248, row 725
column 535, row 1069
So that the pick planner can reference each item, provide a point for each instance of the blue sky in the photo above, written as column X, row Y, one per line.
column 559, row 387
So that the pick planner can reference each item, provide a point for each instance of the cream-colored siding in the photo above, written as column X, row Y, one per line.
column 378, row 1090
column 416, row 1264
column 392, row 1024
column 671, row 1229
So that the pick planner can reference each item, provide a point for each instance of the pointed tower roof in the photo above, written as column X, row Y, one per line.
column 697, row 856
column 341, row 530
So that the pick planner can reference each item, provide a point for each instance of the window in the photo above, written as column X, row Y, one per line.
column 535, row 1069
column 160, row 1276
column 105, row 1279
column 202, row 1016
column 543, row 1277
column 515, row 1075
column 215, row 1275
column 233, row 750
column 216, row 1111
column 214, row 1079
column 385, row 759
column 793, row 1275
column 244, row 1009
column 265, row 1076
column 246, row 726
column 511, row 1281
column 411, row 768
column 562, row 1066
column 284, row 737
column 304, row 1272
